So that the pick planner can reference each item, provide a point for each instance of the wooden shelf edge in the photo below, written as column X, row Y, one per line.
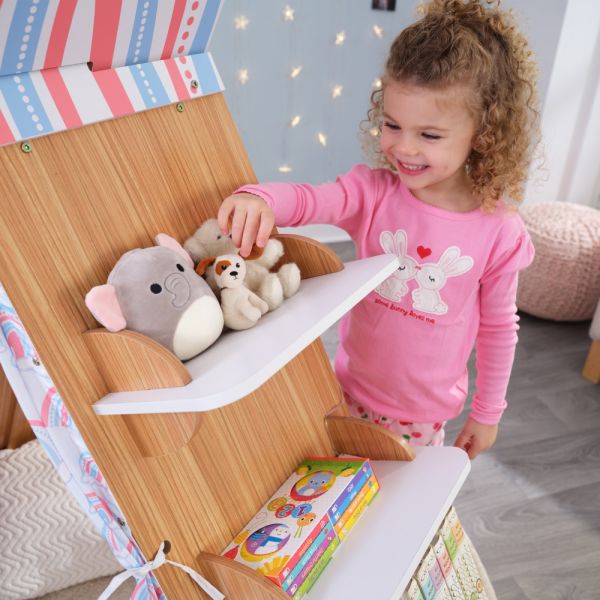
column 238, row 581
column 350, row 435
column 591, row 369
column 131, row 361
column 312, row 257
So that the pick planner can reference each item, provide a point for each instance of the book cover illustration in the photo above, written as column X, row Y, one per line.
column 412, row 591
column 445, row 562
column 296, row 523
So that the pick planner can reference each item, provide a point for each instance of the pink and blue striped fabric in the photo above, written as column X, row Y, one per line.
column 65, row 64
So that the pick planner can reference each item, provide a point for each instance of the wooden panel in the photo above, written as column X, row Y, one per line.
column 14, row 428
column 591, row 369
column 312, row 257
column 68, row 210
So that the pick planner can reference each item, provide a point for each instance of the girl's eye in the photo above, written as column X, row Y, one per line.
column 391, row 126
column 431, row 136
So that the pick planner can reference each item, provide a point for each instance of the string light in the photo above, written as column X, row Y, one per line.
column 377, row 84
column 374, row 131
column 322, row 139
column 295, row 120
column 340, row 38
column 241, row 22
column 285, row 169
column 295, row 72
column 243, row 76
column 378, row 31
column 337, row 90
column 288, row 13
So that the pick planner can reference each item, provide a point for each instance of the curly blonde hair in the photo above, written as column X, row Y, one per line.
column 463, row 42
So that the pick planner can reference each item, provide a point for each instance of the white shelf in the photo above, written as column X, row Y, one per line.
column 239, row 362
column 383, row 550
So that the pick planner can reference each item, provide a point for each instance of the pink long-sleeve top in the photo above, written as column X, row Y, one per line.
column 403, row 349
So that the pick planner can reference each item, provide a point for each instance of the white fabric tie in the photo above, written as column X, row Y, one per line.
column 159, row 560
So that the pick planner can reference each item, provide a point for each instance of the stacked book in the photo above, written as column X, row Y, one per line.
column 294, row 536
column 448, row 570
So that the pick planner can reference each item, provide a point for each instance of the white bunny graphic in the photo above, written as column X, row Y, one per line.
column 394, row 287
column 432, row 277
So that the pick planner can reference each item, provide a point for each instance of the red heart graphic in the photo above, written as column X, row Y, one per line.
column 423, row 252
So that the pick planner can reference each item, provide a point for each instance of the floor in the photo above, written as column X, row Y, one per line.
column 531, row 504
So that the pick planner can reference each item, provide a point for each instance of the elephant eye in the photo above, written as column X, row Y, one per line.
column 155, row 288
column 180, row 268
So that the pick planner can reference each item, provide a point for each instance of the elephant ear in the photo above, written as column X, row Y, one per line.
column 103, row 304
column 166, row 241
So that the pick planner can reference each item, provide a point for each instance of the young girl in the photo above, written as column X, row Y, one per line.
column 456, row 116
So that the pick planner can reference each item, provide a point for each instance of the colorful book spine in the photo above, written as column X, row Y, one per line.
column 412, row 591
column 467, row 571
column 317, row 570
column 356, row 502
column 425, row 583
column 325, row 536
column 445, row 562
column 338, row 509
column 304, row 548
column 311, row 561
column 360, row 509
column 437, row 577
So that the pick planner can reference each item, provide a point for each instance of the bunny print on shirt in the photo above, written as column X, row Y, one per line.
column 430, row 277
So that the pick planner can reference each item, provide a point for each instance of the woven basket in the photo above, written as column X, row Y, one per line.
column 563, row 282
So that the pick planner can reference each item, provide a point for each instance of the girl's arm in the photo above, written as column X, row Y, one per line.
column 253, row 210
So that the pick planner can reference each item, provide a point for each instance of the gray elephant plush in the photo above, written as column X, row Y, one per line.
column 155, row 291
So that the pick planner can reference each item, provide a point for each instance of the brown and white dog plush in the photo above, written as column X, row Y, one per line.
column 241, row 307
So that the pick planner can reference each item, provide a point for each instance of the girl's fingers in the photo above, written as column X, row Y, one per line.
column 237, row 226
column 265, row 228
column 224, row 214
column 249, row 234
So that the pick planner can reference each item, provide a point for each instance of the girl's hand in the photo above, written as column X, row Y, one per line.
column 251, row 218
column 476, row 437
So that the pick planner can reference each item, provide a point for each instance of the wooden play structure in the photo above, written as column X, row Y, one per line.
column 192, row 450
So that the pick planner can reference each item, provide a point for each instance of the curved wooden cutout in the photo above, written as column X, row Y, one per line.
column 161, row 434
column 350, row 435
column 131, row 361
column 238, row 581
column 312, row 257
column 591, row 369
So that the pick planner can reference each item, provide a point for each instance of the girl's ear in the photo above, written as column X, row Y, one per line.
column 255, row 253
column 204, row 264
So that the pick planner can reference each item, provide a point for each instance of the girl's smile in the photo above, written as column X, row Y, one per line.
column 427, row 136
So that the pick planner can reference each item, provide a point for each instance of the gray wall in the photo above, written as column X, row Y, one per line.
column 270, row 47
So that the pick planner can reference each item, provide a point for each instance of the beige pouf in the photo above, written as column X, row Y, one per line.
column 563, row 282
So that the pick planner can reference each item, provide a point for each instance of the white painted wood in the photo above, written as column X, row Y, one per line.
column 570, row 169
column 383, row 550
column 241, row 361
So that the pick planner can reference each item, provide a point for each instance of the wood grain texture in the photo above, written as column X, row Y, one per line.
column 591, row 369
column 312, row 257
column 68, row 211
column 14, row 428
column 363, row 438
column 131, row 361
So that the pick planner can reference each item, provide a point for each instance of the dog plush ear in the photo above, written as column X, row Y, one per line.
column 255, row 253
column 204, row 264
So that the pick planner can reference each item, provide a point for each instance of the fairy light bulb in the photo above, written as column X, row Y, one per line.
column 340, row 38
column 377, row 84
column 322, row 139
column 285, row 169
column 378, row 31
column 295, row 72
column 295, row 120
column 336, row 91
column 243, row 76
column 288, row 13
column 241, row 22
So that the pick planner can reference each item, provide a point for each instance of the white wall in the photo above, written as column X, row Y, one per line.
column 270, row 46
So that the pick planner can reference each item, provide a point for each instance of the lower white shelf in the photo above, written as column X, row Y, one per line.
column 384, row 548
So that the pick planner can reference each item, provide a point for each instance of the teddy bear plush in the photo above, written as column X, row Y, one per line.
column 208, row 241
column 155, row 291
column 241, row 307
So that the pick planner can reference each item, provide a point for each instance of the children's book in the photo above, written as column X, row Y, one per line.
column 296, row 523
column 412, row 591
column 371, row 487
column 430, row 565
column 459, row 549
column 445, row 562
column 317, row 570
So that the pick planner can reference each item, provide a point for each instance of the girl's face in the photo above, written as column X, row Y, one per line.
column 427, row 136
